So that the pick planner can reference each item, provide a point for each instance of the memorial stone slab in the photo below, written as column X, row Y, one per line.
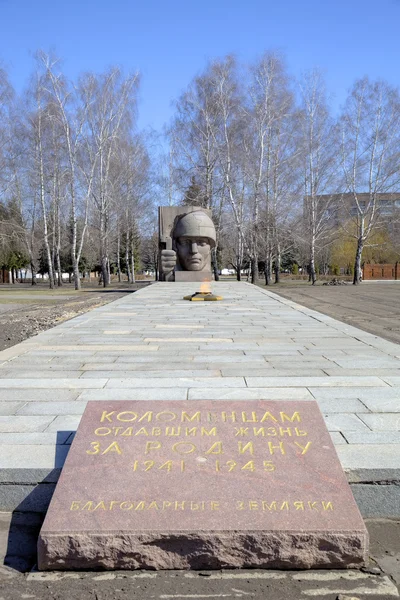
column 202, row 484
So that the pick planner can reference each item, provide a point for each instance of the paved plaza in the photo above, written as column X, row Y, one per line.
column 153, row 345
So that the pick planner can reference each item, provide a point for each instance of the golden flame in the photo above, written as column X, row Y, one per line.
column 205, row 287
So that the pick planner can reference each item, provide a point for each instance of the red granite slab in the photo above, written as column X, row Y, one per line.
column 203, row 484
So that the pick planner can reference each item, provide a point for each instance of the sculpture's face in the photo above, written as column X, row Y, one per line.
column 193, row 252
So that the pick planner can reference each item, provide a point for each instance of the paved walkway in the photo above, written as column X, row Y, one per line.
column 152, row 345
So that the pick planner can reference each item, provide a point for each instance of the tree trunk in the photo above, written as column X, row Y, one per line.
column 156, row 270
column 254, row 270
column 238, row 268
column 53, row 254
column 133, row 262
column 277, row 266
column 104, row 271
column 33, row 271
column 313, row 277
column 77, row 279
column 58, row 247
column 128, row 264
column 59, row 278
column 118, row 256
column 268, row 270
column 214, row 265
column 49, row 260
column 357, row 278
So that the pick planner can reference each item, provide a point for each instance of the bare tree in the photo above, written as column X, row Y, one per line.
column 111, row 101
column 72, row 118
column 270, row 102
column 231, row 150
column 370, row 128
column 194, row 149
column 319, row 153
column 39, row 121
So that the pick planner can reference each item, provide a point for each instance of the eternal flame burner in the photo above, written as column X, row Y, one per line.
column 203, row 296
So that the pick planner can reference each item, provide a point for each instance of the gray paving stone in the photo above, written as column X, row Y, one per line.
column 236, row 346
column 53, row 408
column 20, row 424
column 57, row 352
column 154, row 365
column 315, row 382
column 135, row 394
column 138, row 359
column 394, row 381
column 98, row 358
column 381, row 373
column 337, row 438
column 26, row 499
column 382, row 422
column 27, row 359
column 36, row 395
column 43, row 374
column 304, row 363
column 382, row 405
column 65, row 362
column 229, row 358
column 344, row 422
column 179, row 382
column 46, row 456
column 372, row 363
column 28, row 438
column 53, row 383
column 373, row 437
column 270, row 371
column 363, row 393
column 64, row 423
column 154, row 374
column 342, row 405
column 377, row 501
column 369, row 456
column 10, row 408
column 249, row 394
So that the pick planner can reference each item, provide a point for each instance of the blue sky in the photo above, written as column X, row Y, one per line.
column 170, row 41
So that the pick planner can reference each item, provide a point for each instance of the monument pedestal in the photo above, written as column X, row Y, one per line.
column 200, row 276
column 206, row 484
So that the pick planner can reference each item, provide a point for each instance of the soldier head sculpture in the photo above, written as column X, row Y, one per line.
column 193, row 237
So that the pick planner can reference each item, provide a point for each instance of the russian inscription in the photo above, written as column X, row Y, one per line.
column 149, row 472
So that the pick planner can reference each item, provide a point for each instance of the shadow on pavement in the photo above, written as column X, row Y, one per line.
column 28, row 516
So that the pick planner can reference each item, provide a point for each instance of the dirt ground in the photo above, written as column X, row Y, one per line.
column 26, row 310
column 373, row 307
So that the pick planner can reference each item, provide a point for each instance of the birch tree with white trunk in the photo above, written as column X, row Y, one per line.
column 370, row 130
column 319, row 155
column 111, row 101
column 269, row 103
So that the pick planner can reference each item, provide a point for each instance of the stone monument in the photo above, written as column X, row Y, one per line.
column 207, row 484
column 187, row 236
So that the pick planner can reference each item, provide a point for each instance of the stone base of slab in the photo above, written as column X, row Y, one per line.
column 181, row 276
column 204, row 550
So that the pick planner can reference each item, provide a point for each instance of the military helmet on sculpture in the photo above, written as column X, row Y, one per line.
column 195, row 224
